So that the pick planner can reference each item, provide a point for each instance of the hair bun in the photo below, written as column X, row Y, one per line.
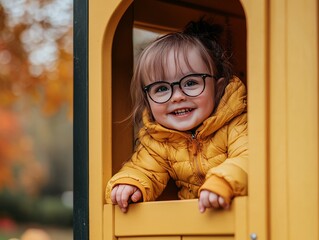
column 204, row 29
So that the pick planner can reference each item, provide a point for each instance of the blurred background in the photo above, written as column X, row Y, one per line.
column 36, row 146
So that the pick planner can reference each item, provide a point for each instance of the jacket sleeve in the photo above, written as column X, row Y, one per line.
column 229, row 179
column 145, row 170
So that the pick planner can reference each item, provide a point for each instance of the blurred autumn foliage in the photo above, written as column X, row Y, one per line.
column 36, row 69
column 13, row 145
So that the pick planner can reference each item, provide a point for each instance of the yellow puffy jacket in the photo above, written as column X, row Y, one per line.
column 215, row 157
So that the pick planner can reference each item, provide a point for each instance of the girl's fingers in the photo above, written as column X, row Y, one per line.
column 113, row 194
column 121, row 194
column 203, row 201
column 223, row 203
column 137, row 195
column 213, row 200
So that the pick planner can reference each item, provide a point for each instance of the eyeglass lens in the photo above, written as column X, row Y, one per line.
column 192, row 85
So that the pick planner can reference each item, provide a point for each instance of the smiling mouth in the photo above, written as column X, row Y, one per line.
column 181, row 112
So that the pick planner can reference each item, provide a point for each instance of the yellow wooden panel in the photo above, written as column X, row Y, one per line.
column 178, row 238
column 179, row 217
column 108, row 222
column 241, row 218
column 151, row 238
column 208, row 238
column 103, row 19
column 302, row 119
column 278, row 122
column 258, row 84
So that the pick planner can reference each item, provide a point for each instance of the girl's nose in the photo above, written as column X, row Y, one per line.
column 178, row 95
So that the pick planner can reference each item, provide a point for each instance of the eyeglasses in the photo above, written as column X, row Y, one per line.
column 192, row 85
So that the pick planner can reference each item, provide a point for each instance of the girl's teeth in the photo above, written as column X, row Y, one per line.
column 183, row 111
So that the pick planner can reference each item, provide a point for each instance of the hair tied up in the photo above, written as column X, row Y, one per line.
column 204, row 29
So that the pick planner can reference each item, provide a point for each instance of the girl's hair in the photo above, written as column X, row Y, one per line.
column 203, row 36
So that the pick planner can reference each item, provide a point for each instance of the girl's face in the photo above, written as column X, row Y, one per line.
column 182, row 112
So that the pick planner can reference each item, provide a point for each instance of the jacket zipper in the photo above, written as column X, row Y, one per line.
column 200, row 175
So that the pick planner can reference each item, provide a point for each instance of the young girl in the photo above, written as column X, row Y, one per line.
column 194, row 123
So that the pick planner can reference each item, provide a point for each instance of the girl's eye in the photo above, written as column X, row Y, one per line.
column 160, row 88
column 190, row 83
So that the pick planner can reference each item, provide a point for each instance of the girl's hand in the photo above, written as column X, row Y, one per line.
column 122, row 195
column 209, row 199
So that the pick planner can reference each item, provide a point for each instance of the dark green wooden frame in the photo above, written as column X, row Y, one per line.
column 80, row 129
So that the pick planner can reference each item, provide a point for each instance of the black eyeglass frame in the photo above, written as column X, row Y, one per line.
column 202, row 75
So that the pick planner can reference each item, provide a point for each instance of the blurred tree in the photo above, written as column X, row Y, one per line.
column 36, row 52
column 36, row 65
